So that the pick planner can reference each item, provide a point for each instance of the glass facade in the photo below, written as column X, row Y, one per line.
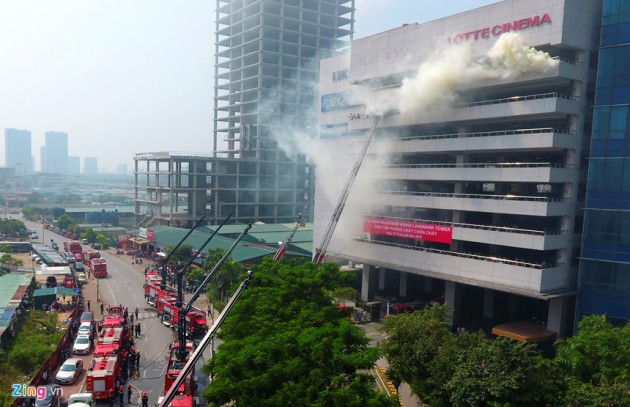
column 604, row 279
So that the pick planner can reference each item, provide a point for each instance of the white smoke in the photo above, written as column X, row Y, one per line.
column 433, row 86
column 435, row 83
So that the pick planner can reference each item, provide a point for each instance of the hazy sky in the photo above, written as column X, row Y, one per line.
column 128, row 76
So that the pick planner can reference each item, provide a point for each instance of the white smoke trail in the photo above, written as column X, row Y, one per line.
column 435, row 83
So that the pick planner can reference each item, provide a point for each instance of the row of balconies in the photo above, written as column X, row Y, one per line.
column 490, row 203
column 533, row 279
column 482, row 172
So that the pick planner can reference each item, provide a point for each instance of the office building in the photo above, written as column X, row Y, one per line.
column 267, row 57
column 90, row 165
column 74, row 165
column 17, row 151
column 604, row 284
column 473, row 188
column 56, row 160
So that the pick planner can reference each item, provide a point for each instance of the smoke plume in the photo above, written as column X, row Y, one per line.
column 435, row 83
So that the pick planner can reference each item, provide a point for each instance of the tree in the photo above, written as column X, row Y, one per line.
column 29, row 212
column 12, row 227
column 65, row 222
column 466, row 369
column 414, row 341
column 89, row 234
column 286, row 343
column 501, row 372
column 181, row 255
column 597, row 363
column 226, row 278
column 102, row 240
column 34, row 198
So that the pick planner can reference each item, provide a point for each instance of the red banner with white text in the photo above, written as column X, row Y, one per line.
column 409, row 230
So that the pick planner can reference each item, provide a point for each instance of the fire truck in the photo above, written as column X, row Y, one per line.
column 196, row 324
column 154, row 293
column 98, row 267
column 74, row 247
column 175, row 366
column 111, row 341
column 69, row 282
column 91, row 254
column 115, row 318
column 102, row 376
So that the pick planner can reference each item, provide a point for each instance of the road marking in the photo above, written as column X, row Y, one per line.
column 112, row 292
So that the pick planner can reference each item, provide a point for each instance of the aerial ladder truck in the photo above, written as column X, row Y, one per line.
column 320, row 252
column 181, row 351
column 285, row 245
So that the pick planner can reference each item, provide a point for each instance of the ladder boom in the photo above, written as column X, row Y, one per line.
column 320, row 252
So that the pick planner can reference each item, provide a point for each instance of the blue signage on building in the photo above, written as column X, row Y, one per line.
column 335, row 101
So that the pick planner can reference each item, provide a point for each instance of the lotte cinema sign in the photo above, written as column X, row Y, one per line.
column 409, row 230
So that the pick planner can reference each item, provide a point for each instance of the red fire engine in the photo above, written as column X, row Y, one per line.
column 196, row 324
column 114, row 318
column 71, row 246
column 90, row 254
column 102, row 376
column 110, row 341
column 69, row 282
column 174, row 367
column 153, row 293
column 98, row 267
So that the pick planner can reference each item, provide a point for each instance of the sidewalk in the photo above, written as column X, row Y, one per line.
column 407, row 399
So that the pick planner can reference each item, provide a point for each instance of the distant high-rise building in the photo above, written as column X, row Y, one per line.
column 90, row 166
column 17, row 151
column 56, row 152
column 74, row 165
column 121, row 169
column 42, row 158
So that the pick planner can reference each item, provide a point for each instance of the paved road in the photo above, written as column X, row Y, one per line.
column 124, row 285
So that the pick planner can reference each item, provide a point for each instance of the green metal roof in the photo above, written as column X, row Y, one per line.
column 42, row 292
column 9, row 286
column 262, row 239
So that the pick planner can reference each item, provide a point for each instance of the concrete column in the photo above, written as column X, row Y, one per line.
column 513, row 306
column 381, row 279
column 426, row 284
column 452, row 297
column 557, row 316
column 488, row 303
column 403, row 284
column 367, row 282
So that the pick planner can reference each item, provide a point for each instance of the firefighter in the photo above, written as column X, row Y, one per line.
column 145, row 399
column 111, row 397
column 121, row 395
column 129, row 393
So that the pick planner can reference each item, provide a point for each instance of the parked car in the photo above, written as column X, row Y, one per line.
column 87, row 316
column 53, row 391
column 84, row 241
column 85, row 328
column 70, row 258
column 82, row 345
column 79, row 266
column 70, row 371
column 81, row 278
column 51, row 281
